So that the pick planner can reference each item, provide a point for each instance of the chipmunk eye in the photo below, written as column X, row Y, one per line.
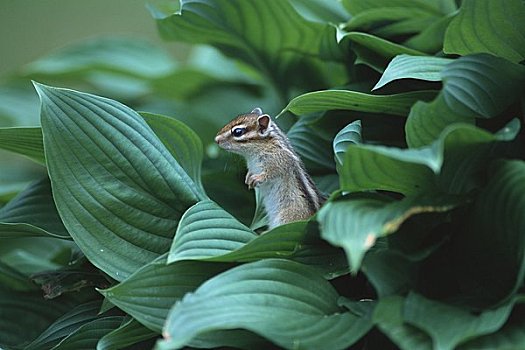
column 238, row 132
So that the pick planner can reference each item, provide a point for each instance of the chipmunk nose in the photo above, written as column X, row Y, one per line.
column 217, row 139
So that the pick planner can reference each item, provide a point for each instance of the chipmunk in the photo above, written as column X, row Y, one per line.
column 288, row 192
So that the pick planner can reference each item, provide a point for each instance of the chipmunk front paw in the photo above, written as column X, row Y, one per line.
column 253, row 180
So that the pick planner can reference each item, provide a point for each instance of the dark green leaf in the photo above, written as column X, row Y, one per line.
column 413, row 67
column 449, row 326
column 491, row 26
column 206, row 230
column 355, row 224
column 388, row 315
column 118, row 190
column 436, row 7
column 149, row 293
column 32, row 213
column 313, row 148
column 498, row 208
column 510, row 337
column 65, row 325
column 24, row 141
column 318, row 101
column 129, row 333
column 15, row 280
column 87, row 336
column 430, row 40
column 286, row 302
column 182, row 142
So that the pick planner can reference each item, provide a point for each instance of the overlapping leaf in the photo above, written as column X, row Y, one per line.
column 24, row 141
column 350, row 134
column 286, row 302
column 118, row 190
column 32, row 213
column 129, row 333
column 87, row 336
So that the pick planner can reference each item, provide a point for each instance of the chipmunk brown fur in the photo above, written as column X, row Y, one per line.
column 288, row 192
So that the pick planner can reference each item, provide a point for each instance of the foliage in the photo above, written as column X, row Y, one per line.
column 123, row 229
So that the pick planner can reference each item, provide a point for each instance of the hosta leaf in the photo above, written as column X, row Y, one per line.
column 314, row 149
column 377, row 16
column 509, row 337
column 182, row 142
column 481, row 84
column 321, row 10
column 413, row 67
column 285, row 302
column 25, row 315
column 436, row 7
column 317, row 101
column 448, row 325
column 488, row 26
column 388, row 316
column 87, row 336
column 149, row 293
column 65, row 325
column 32, row 213
column 117, row 188
column 15, row 280
column 474, row 86
column 24, row 141
column 268, row 35
column 350, row 134
column 128, row 333
column 430, row 40
column 498, row 208
column 206, row 230
column 354, row 224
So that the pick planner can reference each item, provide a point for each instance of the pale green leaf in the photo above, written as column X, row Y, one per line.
column 350, row 134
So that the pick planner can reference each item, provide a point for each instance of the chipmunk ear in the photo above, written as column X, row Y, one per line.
column 257, row 111
column 263, row 122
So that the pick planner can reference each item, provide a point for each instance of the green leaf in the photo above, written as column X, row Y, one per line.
column 321, row 10
column 87, row 336
column 32, row 213
column 388, row 316
column 118, row 190
column 317, row 101
column 350, row 134
column 356, row 7
column 510, row 337
column 149, row 293
column 498, row 208
column 15, row 280
column 448, row 325
column 447, row 164
column 285, row 302
column 24, row 141
column 129, row 333
column 268, row 35
column 430, row 40
column 355, row 223
column 131, row 56
column 26, row 315
column 373, row 17
column 65, row 325
column 313, row 148
column 474, row 86
column 182, row 142
column 490, row 26
column 206, row 230
column 413, row 67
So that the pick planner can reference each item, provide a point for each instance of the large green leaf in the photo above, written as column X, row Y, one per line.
column 355, row 223
column 32, row 213
column 317, row 101
column 65, row 325
column 268, row 35
column 13, row 279
column 117, row 188
column 430, row 40
column 432, row 6
column 24, row 141
column 497, row 209
column 129, row 333
column 206, row 230
column 182, row 142
column 149, row 293
column 321, row 10
column 87, row 336
column 413, row 67
column 491, row 26
column 313, row 148
column 286, row 302
column 448, row 325
column 474, row 86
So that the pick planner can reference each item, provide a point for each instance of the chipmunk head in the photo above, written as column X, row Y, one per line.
column 246, row 133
